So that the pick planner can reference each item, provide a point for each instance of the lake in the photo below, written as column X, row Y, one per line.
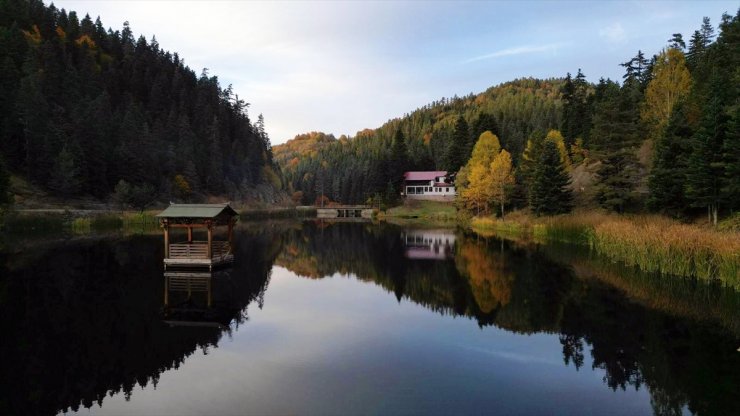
column 357, row 318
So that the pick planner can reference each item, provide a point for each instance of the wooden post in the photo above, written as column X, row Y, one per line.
column 210, row 240
column 166, row 241
column 231, row 233
column 166, row 291
column 190, row 234
column 208, row 282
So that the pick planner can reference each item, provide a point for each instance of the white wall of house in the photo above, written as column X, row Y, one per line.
column 430, row 190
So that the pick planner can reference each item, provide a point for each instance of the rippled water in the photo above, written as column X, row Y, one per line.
column 356, row 318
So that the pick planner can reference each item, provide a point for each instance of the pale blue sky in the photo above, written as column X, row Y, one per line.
column 339, row 67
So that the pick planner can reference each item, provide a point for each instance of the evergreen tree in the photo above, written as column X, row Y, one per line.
column 456, row 152
column 4, row 183
column 399, row 160
column 677, row 42
column 706, row 167
column 485, row 122
column 615, row 136
column 550, row 193
column 731, row 156
column 527, row 166
column 65, row 179
column 576, row 109
column 668, row 175
column 108, row 107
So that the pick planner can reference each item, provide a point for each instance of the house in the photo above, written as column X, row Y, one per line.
column 429, row 185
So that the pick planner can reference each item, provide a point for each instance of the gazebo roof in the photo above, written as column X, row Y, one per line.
column 204, row 211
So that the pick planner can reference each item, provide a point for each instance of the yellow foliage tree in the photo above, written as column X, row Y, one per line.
column 556, row 137
column 502, row 179
column 670, row 82
column 478, row 192
column 490, row 279
column 484, row 151
column 182, row 187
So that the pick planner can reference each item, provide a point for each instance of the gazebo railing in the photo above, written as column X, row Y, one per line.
column 199, row 250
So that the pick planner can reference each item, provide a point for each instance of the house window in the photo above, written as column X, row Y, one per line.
column 410, row 190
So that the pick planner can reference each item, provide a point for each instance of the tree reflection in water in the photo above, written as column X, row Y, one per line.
column 83, row 319
column 686, row 360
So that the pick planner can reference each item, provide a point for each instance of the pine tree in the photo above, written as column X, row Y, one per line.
column 4, row 183
column 731, row 156
column 399, row 160
column 485, row 122
column 550, row 193
column 528, row 165
column 456, row 156
column 677, row 42
column 615, row 135
column 65, row 178
column 668, row 175
column 706, row 168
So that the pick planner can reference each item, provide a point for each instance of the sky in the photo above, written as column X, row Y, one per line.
column 342, row 66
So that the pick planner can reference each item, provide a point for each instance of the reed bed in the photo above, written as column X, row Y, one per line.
column 658, row 244
column 651, row 243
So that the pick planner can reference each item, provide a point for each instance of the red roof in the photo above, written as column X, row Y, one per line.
column 424, row 176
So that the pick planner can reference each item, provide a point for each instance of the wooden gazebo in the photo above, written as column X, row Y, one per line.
column 207, row 253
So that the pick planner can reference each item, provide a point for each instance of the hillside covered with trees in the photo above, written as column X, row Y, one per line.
column 86, row 111
column 664, row 138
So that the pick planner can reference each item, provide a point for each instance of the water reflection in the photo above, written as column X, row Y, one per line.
column 521, row 289
column 429, row 244
column 83, row 319
column 200, row 298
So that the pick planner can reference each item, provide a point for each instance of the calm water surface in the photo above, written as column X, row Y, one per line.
column 353, row 318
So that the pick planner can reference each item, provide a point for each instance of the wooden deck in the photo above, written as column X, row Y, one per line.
column 195, row 254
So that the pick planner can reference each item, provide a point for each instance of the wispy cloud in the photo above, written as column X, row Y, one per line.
column 614, row 33
column 519, row 50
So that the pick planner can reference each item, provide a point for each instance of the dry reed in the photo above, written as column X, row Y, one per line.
column 650, row 242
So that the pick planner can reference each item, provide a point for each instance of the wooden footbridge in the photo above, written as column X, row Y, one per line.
column 353, row 211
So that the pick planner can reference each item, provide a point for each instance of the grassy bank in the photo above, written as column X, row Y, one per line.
column 422, row 210
column 277, row 213
column 652, row 243
column 86, row 221
column 76, row 221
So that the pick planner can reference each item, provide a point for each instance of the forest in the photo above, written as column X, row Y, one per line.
column 92, row 112
column 664, row 138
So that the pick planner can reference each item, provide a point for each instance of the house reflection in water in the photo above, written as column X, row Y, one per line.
column 429, row 244
column 198, row 298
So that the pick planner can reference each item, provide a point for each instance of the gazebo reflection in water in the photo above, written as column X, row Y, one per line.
column 199, row 298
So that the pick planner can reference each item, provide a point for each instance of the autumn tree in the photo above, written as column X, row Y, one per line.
column 182, row 187
column 502, row 179
column 670, row 82
column 479, row 192
column 474, row 180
